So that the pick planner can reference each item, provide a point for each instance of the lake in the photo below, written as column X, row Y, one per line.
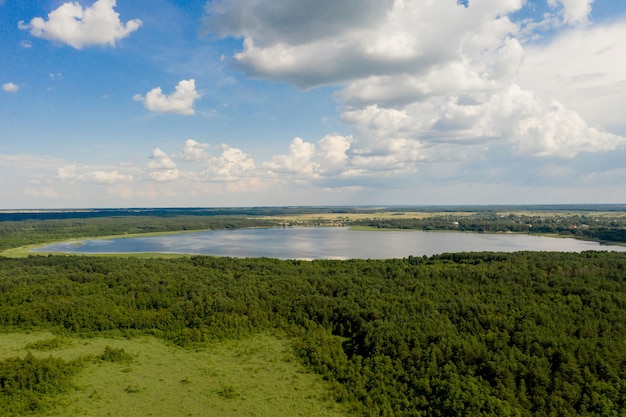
column 325, row 243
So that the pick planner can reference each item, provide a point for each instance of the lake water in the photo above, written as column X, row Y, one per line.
column 325, row 243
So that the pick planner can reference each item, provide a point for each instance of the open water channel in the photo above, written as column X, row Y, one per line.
column 325, row 243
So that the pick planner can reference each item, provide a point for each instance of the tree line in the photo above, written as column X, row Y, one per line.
column 589, row 226
column 609, row 228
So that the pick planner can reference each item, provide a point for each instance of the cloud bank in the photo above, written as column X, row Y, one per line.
column 414, row 88
column 89, row 174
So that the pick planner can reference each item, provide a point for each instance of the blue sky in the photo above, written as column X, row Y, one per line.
column 333, row 102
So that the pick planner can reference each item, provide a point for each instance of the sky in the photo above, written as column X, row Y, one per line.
column 194, row 103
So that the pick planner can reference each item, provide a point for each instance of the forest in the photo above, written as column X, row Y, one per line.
column 489, row 334
column 523, row 334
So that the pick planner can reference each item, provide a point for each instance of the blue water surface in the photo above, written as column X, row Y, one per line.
column 325, row 243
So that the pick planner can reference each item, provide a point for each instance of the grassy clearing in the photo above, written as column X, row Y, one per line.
column 22, row 251
column 26, row 251
column 253, row 377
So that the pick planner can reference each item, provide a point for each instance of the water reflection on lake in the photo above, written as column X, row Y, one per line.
column 325, row 243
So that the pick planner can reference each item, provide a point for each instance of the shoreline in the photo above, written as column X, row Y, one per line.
column 29, row 250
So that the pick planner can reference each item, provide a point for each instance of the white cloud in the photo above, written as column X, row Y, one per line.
column 414, row 88
column 165, row 175
column 304, row 161
column 10, row 87
column 298, row 161
column 98, row 24
column 574, row 11
column 180, row 101
column 562, row 132
column 89, row 174
column 160, row 160
column 334, row 158
column 198, row 165
column 67, row 172
column 340, row 42
column 585, row 70
column 162, row 167
column 194, row 151
column 334, row 148
column 108, row 177
column 232, row 164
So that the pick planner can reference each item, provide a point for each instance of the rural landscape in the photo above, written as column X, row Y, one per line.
column 330, row 208
column 493, row 334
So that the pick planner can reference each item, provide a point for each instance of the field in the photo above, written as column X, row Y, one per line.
column 256, row 376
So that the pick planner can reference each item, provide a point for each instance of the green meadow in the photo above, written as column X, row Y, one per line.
column 255, row 376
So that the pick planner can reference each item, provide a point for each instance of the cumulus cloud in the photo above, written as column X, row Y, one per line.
column 299, row 160
column 334, row 148
column 161, row 166
column 415, row 89
column 197, row 165
column 343, row 42
column 98, row 24
column 585, row 70
column 232, row 164
column 274, row 21
column 561, row 132
column 181, row 101
column 194, row 151
column 573, row 11
column 10, row 87
column 202, row 162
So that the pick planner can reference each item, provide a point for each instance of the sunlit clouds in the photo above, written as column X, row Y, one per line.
column 573, row 11
column 194, row 151
column 180, row 101
column 398, row 82
column 98, row 24
column 161, row 167
column 10, row 87
column 276, row 102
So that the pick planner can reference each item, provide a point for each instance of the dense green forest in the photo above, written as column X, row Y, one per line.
column 521, row 334
column 27, row 232
column 590, row 226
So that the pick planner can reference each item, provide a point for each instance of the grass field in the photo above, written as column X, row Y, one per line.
column 252, row 377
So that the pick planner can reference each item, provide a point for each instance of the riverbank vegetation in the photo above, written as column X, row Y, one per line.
column 597, row 223
column 520, row 334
